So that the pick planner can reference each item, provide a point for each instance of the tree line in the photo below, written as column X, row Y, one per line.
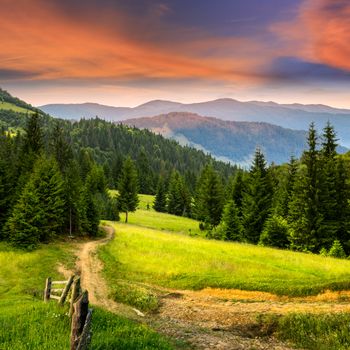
column 55, row 176
column 302, row 205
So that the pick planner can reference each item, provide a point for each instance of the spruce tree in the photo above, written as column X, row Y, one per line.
column 145, row 173
column 276, row 232
column 60, row 147
column 89, row 213
column 210, row 197
column 179, row 200
column 328, row 172
column 39, row 213
column 337, row 250
column 236, row 189
column 283, row 194
column 161, row 199
column 8, row 177
column 343, row 208
column 257, row 199
column 128, row 188
column 304, row 209
column 231, row 224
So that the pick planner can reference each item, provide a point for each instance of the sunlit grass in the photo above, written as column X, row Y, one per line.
column 12, row 107
column 175, row 260
column 27, row 323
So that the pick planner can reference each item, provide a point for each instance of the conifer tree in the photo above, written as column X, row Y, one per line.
column 231, row 224
column 145, row 173
column 32, row 146
column 8, row 177
column 179, row 200
column 343, row 208
column 283, row 195
column 60, row 147
column 275, row 233
column 128, row 188
column 337, row 250
column 73, row 191
column 39, row 213
column 33, row 141
column 236, row 189
column 161, row 199
column 328, row 172
column 304, row 209
column 257, row 199
column 210, row 197
column 89, row 213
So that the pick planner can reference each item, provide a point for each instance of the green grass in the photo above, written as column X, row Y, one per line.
column 12, row 107
column 160, row 221
column 26, row 322
column 27, row 325
column 150, row 256
column 163, row 221
column 310, row 331
column 144, row 200
column 24, row 273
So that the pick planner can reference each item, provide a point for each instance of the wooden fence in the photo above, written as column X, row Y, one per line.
column 79, row 310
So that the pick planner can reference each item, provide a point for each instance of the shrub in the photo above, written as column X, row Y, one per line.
column 337, row 250
column 275, row 233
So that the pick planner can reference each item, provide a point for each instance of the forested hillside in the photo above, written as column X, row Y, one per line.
column 55, row 175
column 231, row 140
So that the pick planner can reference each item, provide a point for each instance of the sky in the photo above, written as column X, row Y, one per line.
column 127, row 52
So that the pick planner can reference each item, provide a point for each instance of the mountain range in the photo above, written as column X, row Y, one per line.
column 293, row 116
column 228, row 141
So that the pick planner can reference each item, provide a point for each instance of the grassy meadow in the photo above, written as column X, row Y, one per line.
column 152, row 256
column 12, row 107
column 26, row 322
column 161, row 221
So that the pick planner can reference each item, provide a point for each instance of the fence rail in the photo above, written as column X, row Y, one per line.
column 79, row 310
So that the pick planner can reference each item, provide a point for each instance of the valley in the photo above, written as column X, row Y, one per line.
column 197, row 293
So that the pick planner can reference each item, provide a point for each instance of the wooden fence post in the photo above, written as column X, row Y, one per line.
column 75, row 294
column 81, row 310
column 47, row 291
column 85, row 337
column 66, row 290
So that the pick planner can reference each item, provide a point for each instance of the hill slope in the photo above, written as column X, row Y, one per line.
column 294, row 116
column 227, row 140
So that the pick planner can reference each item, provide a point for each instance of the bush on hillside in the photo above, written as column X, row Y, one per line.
column 337, row 250
column 275, row 233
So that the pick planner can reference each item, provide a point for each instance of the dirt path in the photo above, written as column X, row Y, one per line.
column 207, row 319
column 89, row 267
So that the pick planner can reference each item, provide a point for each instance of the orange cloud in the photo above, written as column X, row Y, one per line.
column 320, row 33
column 36, row 37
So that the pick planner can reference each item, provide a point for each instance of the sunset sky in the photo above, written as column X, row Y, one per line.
column 126, row 52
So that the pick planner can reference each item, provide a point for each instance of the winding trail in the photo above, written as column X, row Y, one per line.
column 90, row 267
column 207, row 319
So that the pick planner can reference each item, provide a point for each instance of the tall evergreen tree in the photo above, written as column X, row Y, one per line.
column 39, row 213
column 145, row 173
column 283, row 195
column 179, row 200
column 231, row 224
column 328, row 172
column 210, row 197
column 235, row 190
column 128, row 188
column 257, row 199
column 343, row 208
column 304, row 209
column 60, row 147
column 161, row 199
